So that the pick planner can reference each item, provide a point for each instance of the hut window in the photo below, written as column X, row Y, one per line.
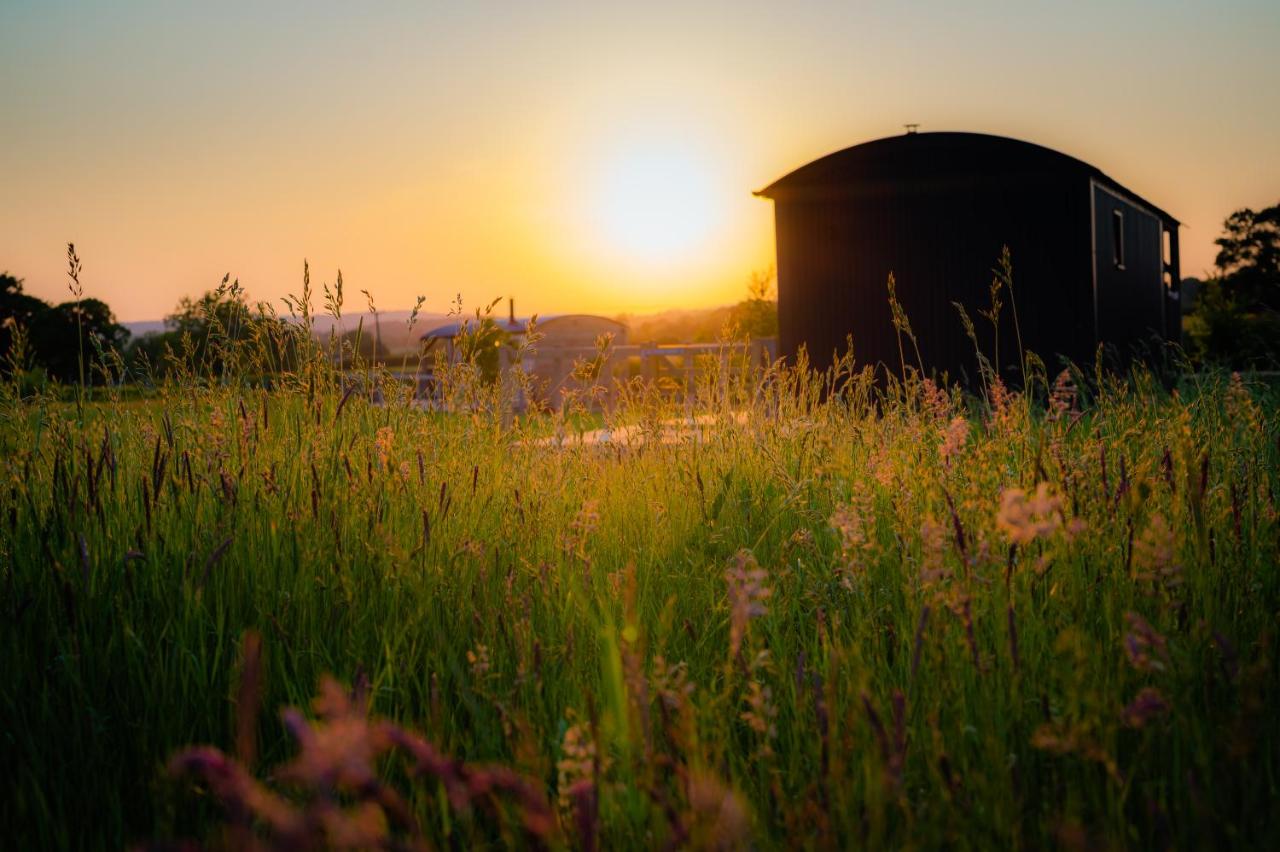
column 1117, row 238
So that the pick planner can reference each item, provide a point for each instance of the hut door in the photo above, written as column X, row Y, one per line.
column 1129, row 300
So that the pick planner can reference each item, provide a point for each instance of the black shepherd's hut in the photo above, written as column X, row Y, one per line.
column 1093, row 262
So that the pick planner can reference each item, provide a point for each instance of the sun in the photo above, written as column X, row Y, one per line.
column 657, row 203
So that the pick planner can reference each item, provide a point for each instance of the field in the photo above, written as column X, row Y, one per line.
column 844, row 615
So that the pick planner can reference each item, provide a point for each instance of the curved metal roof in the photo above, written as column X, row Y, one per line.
column 927, row 157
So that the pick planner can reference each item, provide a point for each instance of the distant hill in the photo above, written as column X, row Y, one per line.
column 391, row 327
column 144, row 327
column 677, row 325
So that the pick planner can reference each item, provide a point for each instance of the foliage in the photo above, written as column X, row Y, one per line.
column 678, row 326
column 52, row 331
column 17, row 310
column 364, row 344
column 211, row 336
column 1236, row 320
column 756, row 317
column 836, row 614
column 480, row 343
column 1249, row 258
column 1222, row 331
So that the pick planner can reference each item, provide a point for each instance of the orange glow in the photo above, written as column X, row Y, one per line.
column 577, row 158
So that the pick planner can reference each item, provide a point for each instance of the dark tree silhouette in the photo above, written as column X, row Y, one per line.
column 217, row 316
column 17, row 309
column 1249, row 257
column 54, row 337
column 204, row 333
column 757, row 315
column 1236, row 319
column 365, row 343
column 52, row 330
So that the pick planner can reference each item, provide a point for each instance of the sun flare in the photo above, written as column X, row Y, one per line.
column 658, row 203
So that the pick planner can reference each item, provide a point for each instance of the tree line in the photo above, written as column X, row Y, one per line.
column 80, row 341
column 51, row 340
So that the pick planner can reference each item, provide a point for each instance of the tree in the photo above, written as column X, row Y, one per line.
column 1236, row 318
column 216, row 333
column 16, row 303
column 52, row 330
column 757, row 315
column 54, row 334
column 1249, row 258
column 17, row 309
column 197, row 331
column 371, row 348
column 221, row 310
column 479, row 342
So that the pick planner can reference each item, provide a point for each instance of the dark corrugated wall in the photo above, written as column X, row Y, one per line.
column 1131, row 298
column 942, row 242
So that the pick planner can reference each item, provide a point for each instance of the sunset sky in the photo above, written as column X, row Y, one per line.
column 583, row 157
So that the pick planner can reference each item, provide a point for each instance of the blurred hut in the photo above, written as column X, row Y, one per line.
column 559, row 343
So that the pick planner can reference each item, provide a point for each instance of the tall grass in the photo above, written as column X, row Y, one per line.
column 847, row 615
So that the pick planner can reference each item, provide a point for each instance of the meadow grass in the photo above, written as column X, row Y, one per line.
column 850, row 615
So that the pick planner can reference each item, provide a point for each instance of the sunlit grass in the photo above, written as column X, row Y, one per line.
column 869, row 617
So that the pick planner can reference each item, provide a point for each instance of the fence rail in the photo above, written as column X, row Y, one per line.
column 671, row 368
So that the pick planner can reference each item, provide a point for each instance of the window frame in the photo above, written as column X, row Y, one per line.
column 1117, row 238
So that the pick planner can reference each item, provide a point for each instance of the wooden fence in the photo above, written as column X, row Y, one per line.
column 597, row 375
